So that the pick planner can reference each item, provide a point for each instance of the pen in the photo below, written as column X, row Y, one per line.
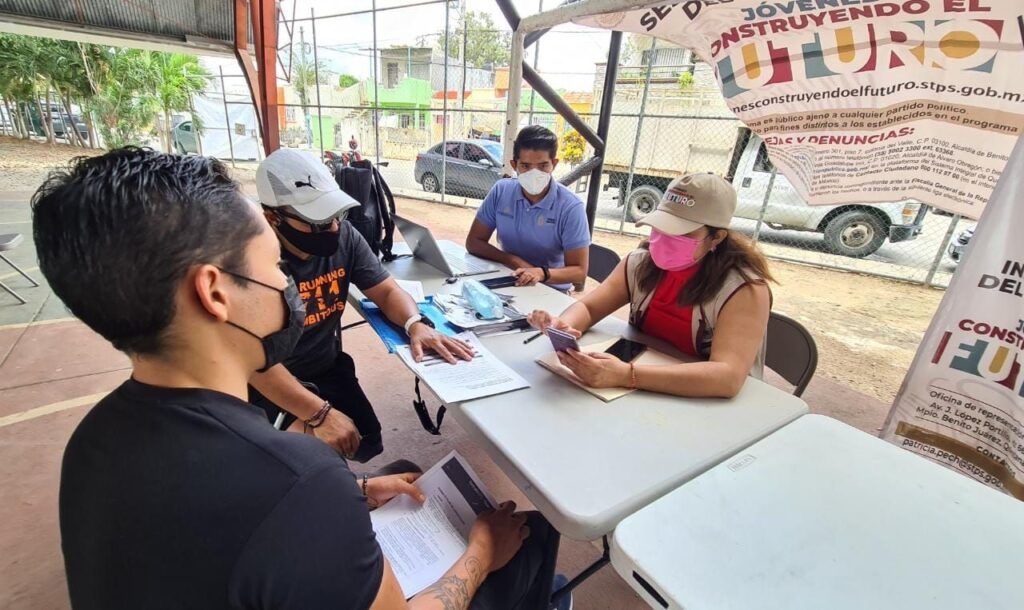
column 528, row 339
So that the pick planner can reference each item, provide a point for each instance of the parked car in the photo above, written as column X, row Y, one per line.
column 60, row 118
column 959, row 245
column 471, row 167
column 184, row 139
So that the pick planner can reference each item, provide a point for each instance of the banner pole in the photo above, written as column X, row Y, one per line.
column 953, row 222
column 764, row 204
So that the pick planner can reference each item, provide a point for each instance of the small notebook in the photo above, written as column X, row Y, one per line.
column 649, row 357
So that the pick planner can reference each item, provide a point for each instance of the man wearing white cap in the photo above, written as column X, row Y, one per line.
column 324, row 255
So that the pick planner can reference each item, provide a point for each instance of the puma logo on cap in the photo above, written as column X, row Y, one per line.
column 309, row 183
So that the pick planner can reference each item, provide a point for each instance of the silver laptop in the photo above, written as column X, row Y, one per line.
column 446, row 257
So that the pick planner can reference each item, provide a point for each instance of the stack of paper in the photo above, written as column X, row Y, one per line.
column 484, row 375
column 414, row 288
column 460, row 313
column 422, row 542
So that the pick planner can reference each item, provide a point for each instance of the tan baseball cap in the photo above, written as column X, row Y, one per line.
column 693, row 201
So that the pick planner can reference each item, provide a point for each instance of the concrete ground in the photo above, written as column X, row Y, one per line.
column 53, row 369
column 868, row 347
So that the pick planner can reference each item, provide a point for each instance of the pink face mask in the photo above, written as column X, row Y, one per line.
column 673, row 252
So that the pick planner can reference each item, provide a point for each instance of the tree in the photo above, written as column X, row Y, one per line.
column 38, row 68
column 127, row 102
column 346, row 80
column 17, row 79
column 573, row 147
column 177, row 78
column 486, row 45
column 23, row 63
column 123, row 89
column 96, row 70
column 68, row 70
column 685, row 81
column 304, row 80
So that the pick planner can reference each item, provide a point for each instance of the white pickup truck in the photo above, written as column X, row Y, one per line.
column 855, row 230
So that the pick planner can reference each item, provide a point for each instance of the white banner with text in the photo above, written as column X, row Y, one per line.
column 864, row 101
column 962, row 403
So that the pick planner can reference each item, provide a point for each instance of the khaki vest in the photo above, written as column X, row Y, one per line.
column 705, row 315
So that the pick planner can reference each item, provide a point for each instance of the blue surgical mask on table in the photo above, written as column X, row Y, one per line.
column 534, row 181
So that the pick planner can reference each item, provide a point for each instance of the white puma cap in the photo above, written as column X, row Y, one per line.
column 298, row 180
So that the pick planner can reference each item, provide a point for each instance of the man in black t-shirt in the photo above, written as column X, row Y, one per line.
column 175, row 492
column 324, row 254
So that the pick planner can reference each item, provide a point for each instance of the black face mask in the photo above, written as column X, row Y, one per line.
column 279, row 344
column 321, row 243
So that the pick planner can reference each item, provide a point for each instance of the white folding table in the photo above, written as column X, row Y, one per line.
column 822, row 516
column 587, row 464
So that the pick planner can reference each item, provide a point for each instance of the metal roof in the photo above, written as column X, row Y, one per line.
column 197, row 25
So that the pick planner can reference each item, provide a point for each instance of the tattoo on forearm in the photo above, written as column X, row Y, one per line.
column 475, row 570
column 454, row 592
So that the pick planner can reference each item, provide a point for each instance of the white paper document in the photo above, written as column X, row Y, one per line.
column 484, row 375
column 422, row 541
column 414, row 288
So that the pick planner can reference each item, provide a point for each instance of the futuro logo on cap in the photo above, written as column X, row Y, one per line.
column 680, row 197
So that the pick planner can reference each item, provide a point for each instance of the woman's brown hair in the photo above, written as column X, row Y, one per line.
column 735, row 252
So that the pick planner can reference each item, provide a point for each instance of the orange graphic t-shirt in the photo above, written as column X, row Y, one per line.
column 323, row 283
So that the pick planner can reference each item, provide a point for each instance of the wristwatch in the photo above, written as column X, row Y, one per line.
column 417, row 318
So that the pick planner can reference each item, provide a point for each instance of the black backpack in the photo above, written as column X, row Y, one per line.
column 375, row 218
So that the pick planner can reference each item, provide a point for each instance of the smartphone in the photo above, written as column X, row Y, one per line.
column 499, row 282
column 626, row 350
column 562, row 341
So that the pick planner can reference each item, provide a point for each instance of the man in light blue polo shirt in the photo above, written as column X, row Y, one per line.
column 542, row 226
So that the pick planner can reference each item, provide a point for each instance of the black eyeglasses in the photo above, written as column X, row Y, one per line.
column 322, row 227
column 282, row 266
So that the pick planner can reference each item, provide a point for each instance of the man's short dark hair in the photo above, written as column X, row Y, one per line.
column 535, row 137
column 115, row 234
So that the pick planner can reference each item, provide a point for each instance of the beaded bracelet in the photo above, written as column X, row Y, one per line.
column 369, row 501
column 318, row 418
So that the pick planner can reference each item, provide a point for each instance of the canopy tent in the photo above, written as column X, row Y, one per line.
column 858, row 100
column 870, row 101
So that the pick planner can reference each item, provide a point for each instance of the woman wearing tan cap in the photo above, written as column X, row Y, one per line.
column 695, row 284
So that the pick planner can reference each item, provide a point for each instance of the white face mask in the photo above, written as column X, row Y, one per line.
column 534, row 181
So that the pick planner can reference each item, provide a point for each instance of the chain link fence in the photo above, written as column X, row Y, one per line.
column 433, row 120
column 902, row 240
